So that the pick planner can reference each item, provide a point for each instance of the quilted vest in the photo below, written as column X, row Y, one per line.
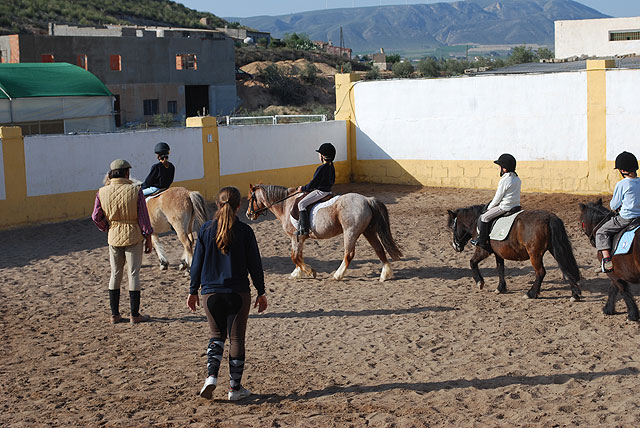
column 119, row 201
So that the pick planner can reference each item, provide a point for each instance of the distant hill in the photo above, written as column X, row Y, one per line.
column 33, row 16
column 419, row 26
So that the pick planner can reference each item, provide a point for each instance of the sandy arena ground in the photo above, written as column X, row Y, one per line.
column 422, row 350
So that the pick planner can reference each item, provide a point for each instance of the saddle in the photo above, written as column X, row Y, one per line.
column 622, row 240
column 295, row 212
column 506, row 214
column 155, row 194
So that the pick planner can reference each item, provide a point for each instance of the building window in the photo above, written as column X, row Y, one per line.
column 82, row 61
column 150, row 107
column 115, row 62
column 172, row 107
column 186, row 62
column 46, row 58
column 617, row 36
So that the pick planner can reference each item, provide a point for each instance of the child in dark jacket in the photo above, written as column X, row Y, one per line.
column 161, row 174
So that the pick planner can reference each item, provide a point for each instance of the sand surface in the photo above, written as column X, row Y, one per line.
column 425, row 349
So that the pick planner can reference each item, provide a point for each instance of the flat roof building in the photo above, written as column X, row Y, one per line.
column 605, row 37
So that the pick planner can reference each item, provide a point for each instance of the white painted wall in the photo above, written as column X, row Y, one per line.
column 623, row 112
column 265, row 147
column 74, row 163
column 533, row 117
column 3, row 191
column 591, row 37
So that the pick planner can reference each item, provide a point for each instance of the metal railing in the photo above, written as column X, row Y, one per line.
column 273, row 120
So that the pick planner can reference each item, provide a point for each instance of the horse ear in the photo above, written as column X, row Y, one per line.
column 582, row 206
column 451, row 214
column 599, row 202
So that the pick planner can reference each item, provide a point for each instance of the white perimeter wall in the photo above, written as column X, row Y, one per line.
column 591, row 37
column 533, row 117
column 73, row 163
column 623, row 112
column 266, row 147
column 3, row 191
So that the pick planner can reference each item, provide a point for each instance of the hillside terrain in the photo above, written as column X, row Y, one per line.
column 420, row 26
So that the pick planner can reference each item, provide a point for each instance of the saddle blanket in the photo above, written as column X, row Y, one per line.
column 502, row 226
column 624, row 244
column 314, row 210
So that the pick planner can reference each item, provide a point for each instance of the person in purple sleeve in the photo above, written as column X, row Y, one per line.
column 120, row 209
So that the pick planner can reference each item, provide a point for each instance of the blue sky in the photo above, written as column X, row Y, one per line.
column 244, row 8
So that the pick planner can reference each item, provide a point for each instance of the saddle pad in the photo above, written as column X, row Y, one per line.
column 155, row 195
column 624, row 244
column 313, row 212
column 502, row 226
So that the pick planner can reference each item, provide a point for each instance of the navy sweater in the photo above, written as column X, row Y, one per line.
column 159, row 176
column 226, row 273
column 323, row 178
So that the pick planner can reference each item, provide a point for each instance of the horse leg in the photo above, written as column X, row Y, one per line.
column 536, row 262
column 187, row 244
column 610, row 307
column 386, row 273
column 164, row 263
column 632, row 308
column 478, row 256
column 298, row 260
column 502, row 283
column 349, row 252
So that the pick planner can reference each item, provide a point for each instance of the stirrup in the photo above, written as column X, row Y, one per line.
column 604, row 265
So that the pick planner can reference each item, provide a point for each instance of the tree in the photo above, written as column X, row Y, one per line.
column 402, row 69
column 544, row 53
column 373, row 74
column 521, row 55
column 392, row 59
column 429, row 67
column 298, row 41
column 309, row 74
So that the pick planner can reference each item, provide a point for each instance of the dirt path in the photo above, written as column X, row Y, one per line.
column 424, row 349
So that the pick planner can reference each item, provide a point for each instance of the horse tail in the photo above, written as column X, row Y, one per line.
column 380, row 223
column 561, row 249
column 199, row 216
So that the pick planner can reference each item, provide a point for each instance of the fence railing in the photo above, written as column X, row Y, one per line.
column 277, row 119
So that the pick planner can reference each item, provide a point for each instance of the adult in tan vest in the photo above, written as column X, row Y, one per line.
column 120, row 208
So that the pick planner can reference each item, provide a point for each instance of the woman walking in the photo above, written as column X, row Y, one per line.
column 226, row 251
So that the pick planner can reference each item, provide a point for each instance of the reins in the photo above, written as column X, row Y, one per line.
column 264, row 209
column 592, row 235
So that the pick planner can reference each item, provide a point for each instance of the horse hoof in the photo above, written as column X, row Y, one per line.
column 480, row 285
column 496, row 291
column 574, row 299
column 182, row 266
column 164, row 266
column 314, row 273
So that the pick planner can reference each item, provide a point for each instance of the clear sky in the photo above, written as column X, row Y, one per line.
column 244, row 8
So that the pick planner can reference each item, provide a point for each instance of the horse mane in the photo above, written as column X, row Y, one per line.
column 595, row 212
column 475, row 210
column 273, row 192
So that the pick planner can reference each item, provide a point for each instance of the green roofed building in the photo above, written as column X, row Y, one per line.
column 52, row 98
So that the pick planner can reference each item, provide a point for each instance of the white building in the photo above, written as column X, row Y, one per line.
column 597, row 37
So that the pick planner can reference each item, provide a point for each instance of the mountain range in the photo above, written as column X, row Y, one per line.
column 423, row 26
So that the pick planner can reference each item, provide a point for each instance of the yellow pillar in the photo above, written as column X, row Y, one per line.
column 15, row 177
column 210, row 153
column 597, row 124
column 345, row 110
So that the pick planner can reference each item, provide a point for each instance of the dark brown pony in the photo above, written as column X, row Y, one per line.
column 533, row 233
column 626, row 267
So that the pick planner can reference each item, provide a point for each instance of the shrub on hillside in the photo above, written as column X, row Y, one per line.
column 402, row 69
column 309, row 74
column 288, row 90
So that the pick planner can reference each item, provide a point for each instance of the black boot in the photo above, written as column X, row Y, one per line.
column 483, row 237
column 303, row 223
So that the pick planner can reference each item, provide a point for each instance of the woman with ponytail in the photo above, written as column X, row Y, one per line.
column 226, row 253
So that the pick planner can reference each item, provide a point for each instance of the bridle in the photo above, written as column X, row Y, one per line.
column 253, row 200
column 592, row 235
column 460, row 242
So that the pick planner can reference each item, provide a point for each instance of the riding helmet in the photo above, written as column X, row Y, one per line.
column 626, row 162
column 506, row 161
column 162, row 148
column 327, row 150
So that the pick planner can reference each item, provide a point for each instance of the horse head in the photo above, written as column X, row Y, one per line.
column 257, row 204
column 592, row 216
column 459, row 229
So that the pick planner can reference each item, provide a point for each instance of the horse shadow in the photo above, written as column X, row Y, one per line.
column 426, row 387
column 346, row 313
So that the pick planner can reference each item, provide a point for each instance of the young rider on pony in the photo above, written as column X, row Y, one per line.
column 319, row 186
column 506, row 198
column 626, row 197
column 161, row 174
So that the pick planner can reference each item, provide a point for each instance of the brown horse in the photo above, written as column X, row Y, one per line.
column 352, row 215
column 626, row 267
column 533, row 234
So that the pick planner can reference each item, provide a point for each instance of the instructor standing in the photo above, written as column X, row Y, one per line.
column 121, row 209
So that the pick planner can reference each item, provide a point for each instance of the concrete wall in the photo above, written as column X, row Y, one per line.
column 3, row 192
column 623, row 112
column 591, row 37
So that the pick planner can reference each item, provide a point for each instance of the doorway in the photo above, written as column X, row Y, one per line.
column 196, row 99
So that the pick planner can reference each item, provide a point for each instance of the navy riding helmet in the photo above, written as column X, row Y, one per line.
column 162, row 148
column 328, row 151
column 506, row 161
column 626, row 162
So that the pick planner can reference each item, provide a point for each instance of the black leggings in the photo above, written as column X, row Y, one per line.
column 227, row 314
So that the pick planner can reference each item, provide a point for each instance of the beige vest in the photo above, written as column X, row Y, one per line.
column 119, row 201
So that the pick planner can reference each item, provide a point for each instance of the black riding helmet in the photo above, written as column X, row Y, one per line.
column 506, row 161
column 328, row 151
column 162, row 148
column 626, row 162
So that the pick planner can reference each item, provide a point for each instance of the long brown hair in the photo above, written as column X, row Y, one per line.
column 228, row 201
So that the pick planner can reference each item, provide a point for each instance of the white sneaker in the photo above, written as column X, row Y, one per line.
column 209, row 386
column 235, row 395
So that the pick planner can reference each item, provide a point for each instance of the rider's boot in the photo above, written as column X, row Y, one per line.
column 483, row 237
column 303, row 223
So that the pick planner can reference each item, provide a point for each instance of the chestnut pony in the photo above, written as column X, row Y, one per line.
column 352, row 215
column 533, row 233
column 626, row 267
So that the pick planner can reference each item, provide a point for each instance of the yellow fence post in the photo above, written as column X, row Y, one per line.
column 345, row 110
column 210, row 153
column 15, row 176
column 598, row 179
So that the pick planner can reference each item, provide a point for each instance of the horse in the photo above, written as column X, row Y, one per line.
column 533, row 233
column 352, row 215
column 178, row 209
column 626, row 267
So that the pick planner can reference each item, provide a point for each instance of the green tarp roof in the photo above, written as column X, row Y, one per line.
column 58, row 79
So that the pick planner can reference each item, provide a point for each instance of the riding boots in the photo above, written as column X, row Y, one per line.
column 483, row 237
column 303, row 223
